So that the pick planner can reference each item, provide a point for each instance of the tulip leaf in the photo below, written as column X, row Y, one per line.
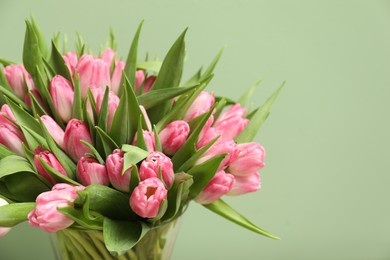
column 243, row 100
column 109, row 145
column 37, row 109
column 33, row 139
column 156, row 97
column 221, row 208
column 120, row 126
column 140, row 136
column 14, row 164
column 131, row 62
column 195, row 79
column 134, row 179
column 103, row 113
column 211, row 67
column 56, row 175
column 77, row 110
column 41, row 41
column 157, row 139
column 203, row 173
column 169, row 75
column 121, row 236
column 31, row 50
column 59, row 63
column 11, row 96
column 78, row 216
column 154, row 66
column 133, row 155
column 4, row 81
column 15, row 213
column 95, row 153
column 5, row 151
column 24, row 118
column 6, row 63
column 188, row 148
column 106, row 201
column 80, row 45
column 250, row 131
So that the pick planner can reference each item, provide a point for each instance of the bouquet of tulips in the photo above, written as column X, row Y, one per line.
column 93, row 142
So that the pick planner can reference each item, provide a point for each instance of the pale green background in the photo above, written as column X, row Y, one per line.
column 326, row 184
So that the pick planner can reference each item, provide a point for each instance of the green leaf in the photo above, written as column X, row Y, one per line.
column 221, row 208
column 132, row 156
column 131, row 61
column 250, row 131
column 31, row 51
column 134, row 179
column 153, row 66
column 79, row 44
column 121, row 236
column 5, row 151
column 14, row 164
column 77, row 110
column 37, row 109
column 103, row 113
column 211, row 67
column 41, row 41
column 140, row 136
column 243, row 100
column 157, row 97
column 111, row 42
column 59, row 63
column 95, row 153
column 4, row 81
column 194, row 79
column 56, row 175
column 109, row 145
column 11, row 96
column 13, row 214
column 158, row 142
column 24, row 118
column 120, row 124
column 203, row 173
column 78, row 216
column 170, row 75
column 106, row 201
column 6, row 62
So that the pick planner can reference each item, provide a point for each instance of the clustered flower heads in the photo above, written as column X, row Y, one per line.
column 122, row 140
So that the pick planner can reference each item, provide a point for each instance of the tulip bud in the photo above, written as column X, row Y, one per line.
column 148, row 83
column 6, row 113
column 3, row 230
column 62, row 94
column 76, row 131
column 146, row 117
column 157, row 163
column 19, row 79
column 12, row 138
column 149, row 138
column 70, row 59
column 231, row 122
column 139, row 79
column 116, row 77
column 218, row 186
column 203, row 102
column 54, row 129
column 245, row 184
column 114, row 165
column 46, row 216
column 250, row 159
column 89, row 171
column 108, row 55
column 220, row 147
column 113, row 102
column 173, row 136
column 210, row 134
column 93, row 72
column 49, row 158
column 147, row 197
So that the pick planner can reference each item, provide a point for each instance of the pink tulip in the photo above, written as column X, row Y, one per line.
column 250, row 159
column 219, row 185
column 19, row 79
column 245, row 184
column 3, row 230
column 114, row 165
column 12, row 138
column 89, row 171
column 5, row 114
column 113, row 102
column 231, row 122
column 70, row 59
column 148, row 83
column 108, row 55
column 49, row 158
column 146, row 117
column 157, row 163
column 220, row 147
column 46, row 216
column 209, row 135
column 173, row 136
column 203, row 102
column 75, row 131
column 139, row 79
column 93, row 72
column 149, row 138
column 54, row 129
column 116, row 77
column 147, row 197
column 62, row 94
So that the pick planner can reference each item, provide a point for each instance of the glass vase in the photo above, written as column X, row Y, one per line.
column 157, row 244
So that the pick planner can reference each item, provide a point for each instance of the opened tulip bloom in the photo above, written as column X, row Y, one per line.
column 46, row 216
column 219, row 185
column 173, row 136
column 250, row 158
column 245, row 184
column 157, row 163
column 231, row 122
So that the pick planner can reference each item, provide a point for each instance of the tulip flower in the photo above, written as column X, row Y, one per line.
column 89, row 171
column 148, row 83
column 93, row 73
column 173, row 136
column 54, row 129
column 250, row 159
column 219, row 185
column 245, row 184
column 220, row 147
column 62, row 94
column 203, row 102
column 114, row 165
column 139, row 79
column 5, row 114
column 49, row 158
column 12, row 138
column 113, row 102
column 231, row 122
column 209, row 135
column 147, row 197
column 3, row 230
column 149, row 138
column 157, row 163
column 46, row 216
column 116, row 77
column 70, row 59
column 19, row 79
column 75, row 131
column 108, row 55
column 146, row 117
